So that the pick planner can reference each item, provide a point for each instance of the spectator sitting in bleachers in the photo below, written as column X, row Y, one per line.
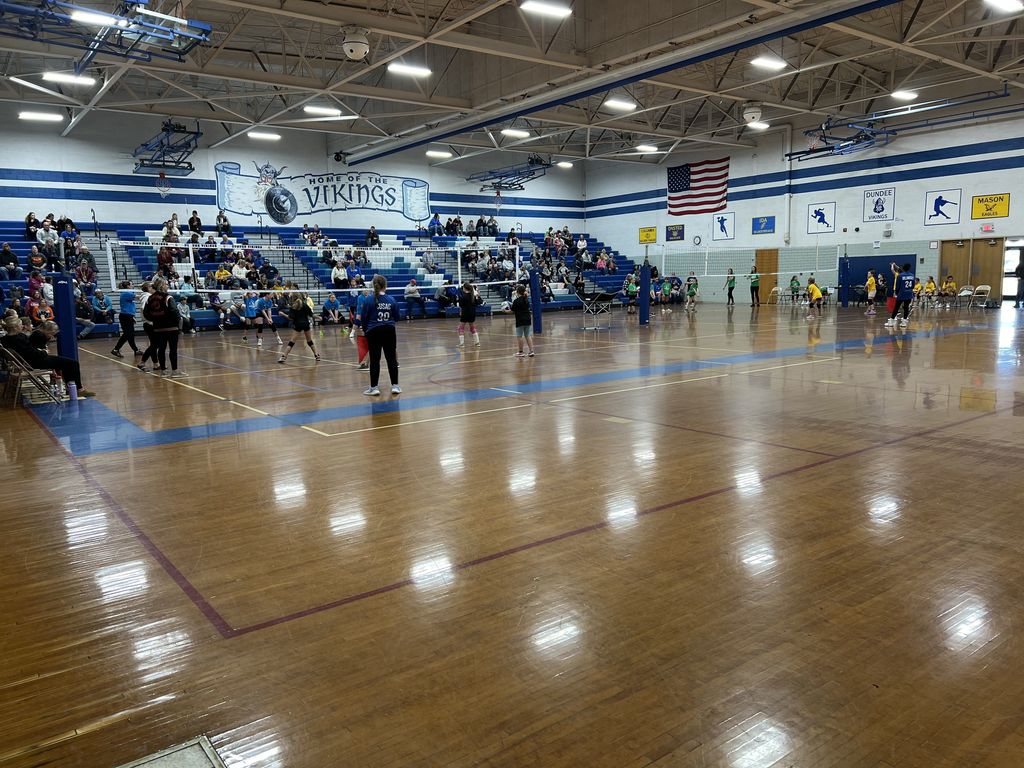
column 35, row 282
column 32, row 225
column 546, row 294
column 208, row 250
column 372, row 238
column 524, row 276
column 10, row 266
column 472, row 266
column 41, row 312
column 68, row 236
column 446, row 295
column 240, row 274
column 435, row 228
column 508, row 268
column 223, row 276
column 195, row 224
column 102, row 309
column 223, row 225
column 601, row 265
column 492, row 227
column 225, row 248
column 480, row 227
column 429, row 265
column 31, row 304
column 170, row 230
column 579, row 285
column 339, row 277
column 210, row 280
column 188, row 292
column 359, row 258
column 164, row 261
column 46, row 289
column 331, row 312
column 268, row 272
column 84, row 317
column 86, row 277
column 47, row 240
column 304, row 234
column 512, row 238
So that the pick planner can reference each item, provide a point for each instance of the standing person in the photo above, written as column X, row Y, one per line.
column 524, row 321
column 794, row 289
column 380, row 313
column 467, row 313
column 1019, row 272
column 903, row 289
column 265, row 316
column 251, row 300
column 147, row 326
column 814, row 298
column 126, row 319
column 871, row 288
column 302, row 318
column 755, row 286
column 730, row 285
column 357, row 335
column 162, row 311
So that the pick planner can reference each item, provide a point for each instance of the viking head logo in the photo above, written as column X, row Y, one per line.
column 268, row 174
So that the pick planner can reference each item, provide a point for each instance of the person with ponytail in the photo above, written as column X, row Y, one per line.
column 378, row 323
column 301, row 315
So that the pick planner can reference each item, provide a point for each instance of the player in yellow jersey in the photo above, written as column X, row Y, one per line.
column 814, row 298
column 871, row 288
column 948, row 290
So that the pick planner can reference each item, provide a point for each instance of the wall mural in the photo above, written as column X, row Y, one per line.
column 284, row 198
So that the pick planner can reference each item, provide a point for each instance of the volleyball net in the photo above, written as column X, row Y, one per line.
column 782, row 264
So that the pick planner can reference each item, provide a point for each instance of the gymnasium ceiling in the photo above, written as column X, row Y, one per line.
column 489, row 59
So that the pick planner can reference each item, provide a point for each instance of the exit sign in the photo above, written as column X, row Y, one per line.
column 988, row 227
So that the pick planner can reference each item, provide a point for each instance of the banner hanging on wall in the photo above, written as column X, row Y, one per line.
column 990, row 206
column 284, row 198
column 880, row 204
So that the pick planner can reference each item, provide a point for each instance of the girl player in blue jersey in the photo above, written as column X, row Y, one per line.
column 378, row 320
column 265, row 316
column 252, row 310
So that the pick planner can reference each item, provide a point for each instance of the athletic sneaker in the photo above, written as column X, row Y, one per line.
column 280, row 359
column 141, row 367
column 179, row 375
column 259, row 342
column 890, row 323
column 810, row 317
column 372, row 392
column 520, row 354
column 316, row 357
column 220, row 327
column 530, row 353
column 280, row 340
column 245, row 338
column 194, row 331
column 364, row 367
column 116, row 353
column 83, row 393
column 395, row 389
column 905, row 322
column 138, row 353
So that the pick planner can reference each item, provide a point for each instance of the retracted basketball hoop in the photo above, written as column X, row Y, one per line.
column 163, row 185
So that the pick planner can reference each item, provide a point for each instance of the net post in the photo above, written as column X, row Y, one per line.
column 110, row 266
column 64, row 312
column 645, row 294
column 535, row 305
column 192, row 263
column 458, row 263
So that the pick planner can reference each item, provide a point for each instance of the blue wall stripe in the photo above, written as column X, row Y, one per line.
column 123, row 180
column 107, row 195
column 529, row 213
column 488, row 201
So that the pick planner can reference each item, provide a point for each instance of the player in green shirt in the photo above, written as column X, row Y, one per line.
column 730, row 284
column 755, row 286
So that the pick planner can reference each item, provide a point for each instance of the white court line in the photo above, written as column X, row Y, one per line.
column 420, row 421
column 315, row 431
column 791, row 365
column 248, row 407
column 147, row 373
column 510, row 391
column 634, row 389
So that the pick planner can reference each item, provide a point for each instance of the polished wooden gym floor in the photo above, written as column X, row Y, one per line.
column 736, row 539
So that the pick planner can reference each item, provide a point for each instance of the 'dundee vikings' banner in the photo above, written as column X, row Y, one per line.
column 285, row 197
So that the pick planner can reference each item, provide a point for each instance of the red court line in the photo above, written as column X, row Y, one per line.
column 228, row 632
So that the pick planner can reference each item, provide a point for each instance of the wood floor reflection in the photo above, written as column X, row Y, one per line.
column 732, row 539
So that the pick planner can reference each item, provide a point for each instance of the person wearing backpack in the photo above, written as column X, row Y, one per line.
column 162, row 311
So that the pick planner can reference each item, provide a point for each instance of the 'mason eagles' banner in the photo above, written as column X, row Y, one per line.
column 285, row 197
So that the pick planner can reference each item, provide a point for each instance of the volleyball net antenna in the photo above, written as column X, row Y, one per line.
column 493, row 267
column 714, row 263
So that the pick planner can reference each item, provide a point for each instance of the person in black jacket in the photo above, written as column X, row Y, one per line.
column 468, row 299
column 32, row 349
column 10, row 266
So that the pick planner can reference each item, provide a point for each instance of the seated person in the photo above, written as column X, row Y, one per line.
column 372, row 238
column 164, row 261
column 223, row 225
column 32, row 349
column 929, row 287
column 446, row 296
column 546, row 294
column 195, row 224
column 84, row 317
column 102, row 308
column 10, row 266
column 41, row 312
column 187, row 291
column 86, row 276
column 208, row 251
column 413, row 297
column 170, row 230
column 240, row 274
column 225, row 247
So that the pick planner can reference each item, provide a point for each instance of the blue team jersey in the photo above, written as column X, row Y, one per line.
column 127, row 302
column 383, row 311
column 252, row 304
column 905, row 285
column 265, row 304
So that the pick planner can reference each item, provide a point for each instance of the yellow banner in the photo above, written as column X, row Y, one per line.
column 648, row 235
column 990, row 206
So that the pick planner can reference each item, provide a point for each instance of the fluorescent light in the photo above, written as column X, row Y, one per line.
column 646, row 148
column 144, row 10
column 904, row 95
column 42, row 117
column 438, row 153
column 325, row 111
column 758, row 125
column 100, row 19
column 408, row 69
column 1006, row 5
column 64, row 77
column 564, row 164
column 515, row 133
column 769, row 62
column 620, row 105
column 542, row 8
column 263, row 135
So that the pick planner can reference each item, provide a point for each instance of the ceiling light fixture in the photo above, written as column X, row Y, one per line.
column 42, row 117
column 264, row 135
column 175, row 19
column 646, row 148
column 542, row 8
column 408, row 69
column 69, row 79
column 515, row 133
column 769, row 62
column 758, row 125
column 564, row 164
column 439, row 154
column 99, row 19
column 323, row 111
column 1009, row 6
column 904, row 95
column 620, row 105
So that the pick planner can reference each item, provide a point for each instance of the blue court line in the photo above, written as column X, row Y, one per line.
column 90, row 427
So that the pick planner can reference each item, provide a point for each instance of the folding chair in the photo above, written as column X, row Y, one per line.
column 980, row 296
column 775, row 296
column 965, row 294
column 17, row 372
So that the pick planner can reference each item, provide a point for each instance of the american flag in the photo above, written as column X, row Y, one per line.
column 698, row 187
